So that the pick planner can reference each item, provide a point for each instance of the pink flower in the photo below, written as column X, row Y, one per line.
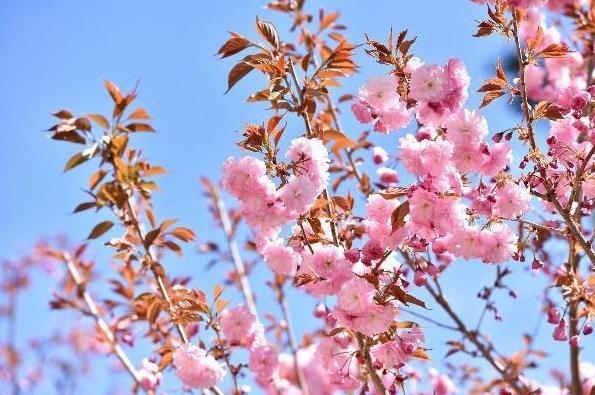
column 298, row 195
column 329, row 261
column 238, row 326
column 466, row 242
column 391, row 117
column 442, row 384
column 356, row 295
column 312, row 157
column 263, row 362
column 195, row 368
column 589, row 188
column 426, row 157
column 379, row 91
column 362, row 111
column 468, row 157
column 512, row 200
column 499, row 157
column 498, row 244
column 149, row 375
column 246, row 177
column 428, row 83
column 281, row 259
column 466, row 127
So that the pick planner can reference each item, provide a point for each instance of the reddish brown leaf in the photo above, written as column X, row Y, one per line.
column 100, row 229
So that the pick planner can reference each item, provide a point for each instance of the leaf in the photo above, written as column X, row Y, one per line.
column 113, row 91
column 547, row 110
column 139, row 113
column 75, row 160
column 139, row 127
column 238, row 72
column 555, row 51
column 484, row 28
column 221, row 304
column 96, row 178
column 217, row 291
column 99, row 119
column 100, row 229
column 83, row 206
column 83, row 123
column 184, row 234
column 500, row 71
column 151, row 236
column 406, row 298
column 63, row 114
column 234, row 45
column 268, row 32
column 70, row 136
column 397, row 218
column 420, row 353
column 327, row 20
column 173, row 247
column 341, row 140
column 489, row 97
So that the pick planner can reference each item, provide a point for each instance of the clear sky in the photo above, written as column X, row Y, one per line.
column 55, row 54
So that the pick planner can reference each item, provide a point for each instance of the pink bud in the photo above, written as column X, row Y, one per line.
column 560, row 331
column 537, row 264
column 505, row 391
column 320, row 311
column 580, row 100
column 574, row 341
column 419, row 278
column 352, row 255
column 362, row 112
column 587, row 329
column 387, row 175
column 379, row 155
column 408, row 347
column 342, row 339
column 331, row 320
column 553, row 315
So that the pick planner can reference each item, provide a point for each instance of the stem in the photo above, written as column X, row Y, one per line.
column 235, row 252
column 361, row 341
column 575, row 381
column 99, row 321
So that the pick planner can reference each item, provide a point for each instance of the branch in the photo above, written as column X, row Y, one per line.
column 369, row 366
column 234, row 251
column 101, row 324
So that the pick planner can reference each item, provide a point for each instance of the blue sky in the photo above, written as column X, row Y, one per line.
column 56, row 54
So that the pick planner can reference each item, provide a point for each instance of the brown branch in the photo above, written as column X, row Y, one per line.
column 575, row 381
column 363, row 346
column 108, row 334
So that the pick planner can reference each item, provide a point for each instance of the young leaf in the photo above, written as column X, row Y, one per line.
column 100, row 229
